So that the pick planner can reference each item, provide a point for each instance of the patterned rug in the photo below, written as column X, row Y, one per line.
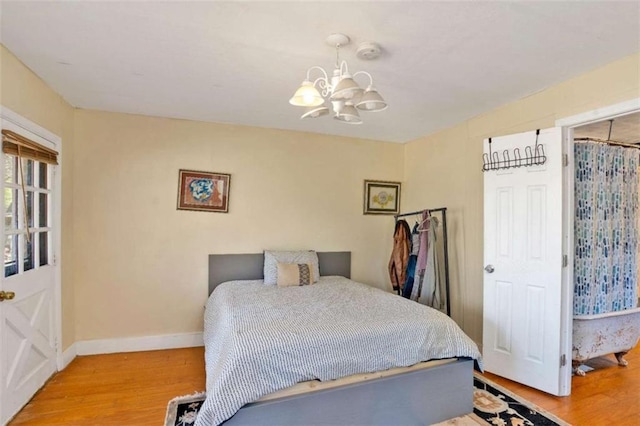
column 492, row 405
column 498, row 406
column 182, row 411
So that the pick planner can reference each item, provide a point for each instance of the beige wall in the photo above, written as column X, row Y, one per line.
column 26, row 94
column 141, row 266
column 133, row 265
column 444, row 169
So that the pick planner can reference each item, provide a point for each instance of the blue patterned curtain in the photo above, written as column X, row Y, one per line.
column 606, row 228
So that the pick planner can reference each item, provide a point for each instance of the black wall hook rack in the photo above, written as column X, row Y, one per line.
column 533, row 156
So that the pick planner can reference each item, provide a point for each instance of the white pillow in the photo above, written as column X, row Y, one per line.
column 295, row 274
column 271, row 259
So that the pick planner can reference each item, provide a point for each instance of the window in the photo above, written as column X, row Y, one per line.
column 27, row 204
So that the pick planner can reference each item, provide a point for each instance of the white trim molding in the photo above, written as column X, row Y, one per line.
column 68, row 355
column 137, row 344
column 600, row 114
column 30, row 126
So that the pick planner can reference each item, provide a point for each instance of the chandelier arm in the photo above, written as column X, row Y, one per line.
column 324, row 73
column 365, row 73
column 324, row 85
column 346, row 68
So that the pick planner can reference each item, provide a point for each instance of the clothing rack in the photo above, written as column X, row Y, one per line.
column 443, row 211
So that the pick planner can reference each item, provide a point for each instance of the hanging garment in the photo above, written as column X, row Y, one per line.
column 605, row 229
column 421, row 261
column 430, row 293
column 424, row 243
column 411, row 276
column 400, row 255
column 411, row 266
column 415, row 239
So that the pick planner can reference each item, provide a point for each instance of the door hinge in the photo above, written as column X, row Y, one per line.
column 565, row 160
column 563, row 360
column 565, row 261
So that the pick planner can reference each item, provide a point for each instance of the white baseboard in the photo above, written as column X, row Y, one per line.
column 67, row 356
column 136, row 344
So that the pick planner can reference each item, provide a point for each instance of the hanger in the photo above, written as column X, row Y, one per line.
column 422, row 227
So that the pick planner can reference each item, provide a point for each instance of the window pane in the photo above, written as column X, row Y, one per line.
column 43, row 175
column 30, row 208
column 27, row 170
column 10, row 255
column 42, row 220
column 10, row 169
column 28, row 253
column 10, row 208
column 44, row 248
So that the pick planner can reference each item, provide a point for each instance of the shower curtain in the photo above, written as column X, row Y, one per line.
column 606, row 228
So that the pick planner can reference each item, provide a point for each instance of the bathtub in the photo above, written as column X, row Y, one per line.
column 610, row 333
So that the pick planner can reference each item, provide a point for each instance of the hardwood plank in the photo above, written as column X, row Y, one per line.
column 134, row 388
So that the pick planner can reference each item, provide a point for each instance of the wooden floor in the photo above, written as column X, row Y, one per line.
column 609, row 395
column 134, row 388
column 120, row 389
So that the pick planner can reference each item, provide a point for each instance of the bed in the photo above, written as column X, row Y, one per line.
column 266, row 347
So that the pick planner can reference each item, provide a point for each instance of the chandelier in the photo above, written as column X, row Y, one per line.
column 341, row 91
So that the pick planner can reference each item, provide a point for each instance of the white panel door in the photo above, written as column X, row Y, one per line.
column 27, row 320
column 523, row 236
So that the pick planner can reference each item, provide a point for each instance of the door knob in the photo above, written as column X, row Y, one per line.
column 489, row 269
column 6, row 295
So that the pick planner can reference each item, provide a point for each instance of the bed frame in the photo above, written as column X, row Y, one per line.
column 419, row 395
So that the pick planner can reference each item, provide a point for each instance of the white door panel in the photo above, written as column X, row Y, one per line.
column 28, row 327
column 523, row 245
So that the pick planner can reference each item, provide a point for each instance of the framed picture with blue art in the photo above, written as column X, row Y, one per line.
column 381, row 197
column 203, row 191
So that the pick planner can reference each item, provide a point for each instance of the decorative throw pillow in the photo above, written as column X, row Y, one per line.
column 272, row 257
column 294, row 274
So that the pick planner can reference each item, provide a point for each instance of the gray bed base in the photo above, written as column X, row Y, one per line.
column 419, row 397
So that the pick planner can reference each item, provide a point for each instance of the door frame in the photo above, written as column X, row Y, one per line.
column 568, row 124
column 26, row 124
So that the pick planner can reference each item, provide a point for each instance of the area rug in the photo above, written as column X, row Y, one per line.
column 492, row 405
column 182, row 410
column 498, row 406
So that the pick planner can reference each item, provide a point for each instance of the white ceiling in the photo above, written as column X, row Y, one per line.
column 240, row 62
column 623, row 129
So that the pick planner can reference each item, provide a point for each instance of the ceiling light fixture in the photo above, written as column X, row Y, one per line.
column 344, row 94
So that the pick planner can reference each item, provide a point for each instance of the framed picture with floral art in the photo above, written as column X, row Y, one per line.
column 381, row 197
column 203, row 191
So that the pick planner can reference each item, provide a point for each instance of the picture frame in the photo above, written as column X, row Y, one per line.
column 381, row 197
column 203, row 191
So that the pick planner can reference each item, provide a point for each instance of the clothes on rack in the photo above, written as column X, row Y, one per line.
column 400, row 255
column 421, row 272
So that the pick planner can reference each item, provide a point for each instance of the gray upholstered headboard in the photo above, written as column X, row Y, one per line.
column 228, row 267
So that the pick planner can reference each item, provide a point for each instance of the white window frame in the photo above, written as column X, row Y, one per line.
column 36, row 229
